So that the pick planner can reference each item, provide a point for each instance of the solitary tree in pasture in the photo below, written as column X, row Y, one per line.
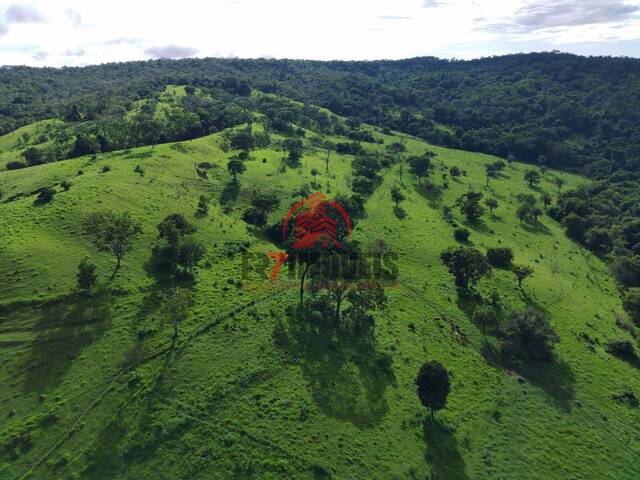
column 532, row 177
column 433, row 386
column 113, row 232
column 236, row 167
column 491, row 204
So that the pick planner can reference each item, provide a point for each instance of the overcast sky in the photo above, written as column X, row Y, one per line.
column 81, row 32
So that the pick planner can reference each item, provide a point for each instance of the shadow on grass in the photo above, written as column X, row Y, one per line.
column 443, row 453
column 66, row 327
column 433, row 194
column 555, row 378
column 229, row 193
column 537, row 227
column 347, row 375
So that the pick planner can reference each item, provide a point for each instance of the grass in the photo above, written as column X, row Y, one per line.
column 243, row 393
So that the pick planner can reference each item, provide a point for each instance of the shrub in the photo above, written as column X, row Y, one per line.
column 500, row 257
column 461, row 235
column 139, row 170
column 106, row 169
column 86, row 275
column 622, row 349
column 46, row 195
column 528, row 335
column 15, row 165
column 631, row 304
column 66, row 185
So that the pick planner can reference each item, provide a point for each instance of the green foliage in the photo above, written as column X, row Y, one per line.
column 528, row 335
column 469, row 205
column 491, row 204
column 466, row 264
column 45, row 195
column 235, row 166
column 86, row 276
column 631, row 303
column 500, row 257
column 433, row 386
column 113, row 232
column 461, row 234
column 532, row 177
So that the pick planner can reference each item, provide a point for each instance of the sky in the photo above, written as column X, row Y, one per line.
column 84, row 32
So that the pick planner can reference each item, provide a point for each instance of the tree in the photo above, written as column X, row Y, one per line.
column 461, row 234
column 203, row 205
column 631, row 303
column 236, row 167
column 576, row 226
column 84, row 145
column 492, row 204
column 173, row 228
column 433, row 386
column 86, row 275
column 546, row 199
column 397, row 196
column 510, row 158
column 176, row 308
column 314, row 174
column 294, row 147
column 33, row 156
column 469, row 205
column 190, row 253
column 485, row 317
column 492, row 170
column 528, row 211
column 45, row 195
column 522, row 272
column 420, row 167
column 559, row 182
column 363, row 297
column 113, row 232
column 500, row 257
column 455, row 172
column 466, row 264
column 528, row 335
column 532, row 177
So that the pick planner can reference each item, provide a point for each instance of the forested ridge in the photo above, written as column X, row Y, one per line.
column 580, row 114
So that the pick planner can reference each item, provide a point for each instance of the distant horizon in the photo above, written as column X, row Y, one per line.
column 372, row 60
column 56, row 33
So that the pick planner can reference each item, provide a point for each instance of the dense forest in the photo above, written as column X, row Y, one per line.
column 550, row 109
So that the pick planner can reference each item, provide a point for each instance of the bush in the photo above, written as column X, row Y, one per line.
column 139, row 170
column 500, row 257
column 66, row 185
column 622, row 349
column 15, row 165
column 46, row 195
column 255, row 216
column 528, row 335
column 86, row 275
column 106, row 169
column 631, row 303
column 461, row 235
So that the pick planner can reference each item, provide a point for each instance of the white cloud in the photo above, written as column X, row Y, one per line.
column 123, row 30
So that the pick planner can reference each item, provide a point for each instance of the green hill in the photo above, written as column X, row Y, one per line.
column 97, row 386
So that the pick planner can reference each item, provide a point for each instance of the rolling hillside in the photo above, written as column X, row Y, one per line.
column 97, row 387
